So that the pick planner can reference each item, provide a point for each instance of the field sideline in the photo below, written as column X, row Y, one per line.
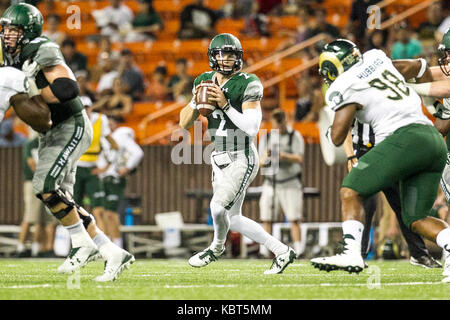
column 227, row 279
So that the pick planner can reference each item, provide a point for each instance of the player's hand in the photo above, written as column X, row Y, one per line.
column 441, row 111
column 351, row 162
column 30, row 68
column 217, row 96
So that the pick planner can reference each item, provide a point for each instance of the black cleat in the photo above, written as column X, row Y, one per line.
column 425, row 261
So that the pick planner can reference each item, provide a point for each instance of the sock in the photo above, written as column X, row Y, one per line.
column 275, row 245
column 256, row 232
column 353, row 228
column 20, row 247
column 79, row 236
column 263, row 250
column 35, row 249
column 118, row 242
column 221, row 223
column 443, row 240
column 106, row 247
column 299, row 247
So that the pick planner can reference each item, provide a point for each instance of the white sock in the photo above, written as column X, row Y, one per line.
column 106, row 247
column 35, row 246
column 118, row 242
column 221, row 222
column 79, row 236
column 275, row 245
column 299, row 247
column 353, row 228
column 443, row 240
column 263, row 250
column 20, row 247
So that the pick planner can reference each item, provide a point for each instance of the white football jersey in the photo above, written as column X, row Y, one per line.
column 12, row 82
column 374, row 83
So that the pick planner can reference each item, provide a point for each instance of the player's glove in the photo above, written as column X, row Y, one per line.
column 30, row 68
column 441, row 111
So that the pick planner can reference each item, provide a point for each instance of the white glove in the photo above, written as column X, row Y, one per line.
column 30, row 68
column 442, row 112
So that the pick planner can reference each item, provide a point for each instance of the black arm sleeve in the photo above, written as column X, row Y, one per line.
column 65, row 89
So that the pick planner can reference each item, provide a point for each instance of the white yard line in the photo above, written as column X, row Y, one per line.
column 45, row 285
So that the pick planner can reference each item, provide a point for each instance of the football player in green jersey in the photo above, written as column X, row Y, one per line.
column 40, row 59
column 233, row 126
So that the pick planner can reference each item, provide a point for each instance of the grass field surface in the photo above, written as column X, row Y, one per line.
column 227, row 279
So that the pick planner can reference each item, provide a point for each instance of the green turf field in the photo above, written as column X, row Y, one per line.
column 223, row 280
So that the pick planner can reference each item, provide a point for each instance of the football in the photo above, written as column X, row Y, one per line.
column 204, row 106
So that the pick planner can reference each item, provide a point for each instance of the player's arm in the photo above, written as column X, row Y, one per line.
column 136, row 156
column 33, row 111
column 250, row 118
column 63, row 86
column 413, row 68
column 296, row 156
column 112, row 142
column 342, row 123
column 348, row 148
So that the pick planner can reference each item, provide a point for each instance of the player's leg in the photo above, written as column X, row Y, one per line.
column 377, row 170
column 116, row 258
column 416, row 246
column 94, row 190
column 370, row 206
column 114, row 191
column 418, row 194
column 29, row 217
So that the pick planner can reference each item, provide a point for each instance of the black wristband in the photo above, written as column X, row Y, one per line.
column 351, row 158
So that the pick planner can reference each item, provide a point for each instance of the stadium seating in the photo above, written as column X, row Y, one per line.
column 167, row 48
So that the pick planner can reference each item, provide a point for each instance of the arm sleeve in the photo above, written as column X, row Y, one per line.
column 17, row 83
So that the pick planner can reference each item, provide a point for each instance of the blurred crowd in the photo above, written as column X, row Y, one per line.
column 116, row 81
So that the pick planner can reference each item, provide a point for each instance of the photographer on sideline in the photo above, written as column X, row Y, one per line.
column 284, row 145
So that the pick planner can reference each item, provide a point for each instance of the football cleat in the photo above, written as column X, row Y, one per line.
column 115, row 266
column 446, row 271
column 205, row 257
column 349, row 260
column 425, row 261
column 78, row 258
column 281, row 261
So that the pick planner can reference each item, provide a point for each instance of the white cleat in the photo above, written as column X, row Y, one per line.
column 114, row 266
column 78, row 258
column 446, row 280
column 281, row 261
column 205, row 257
column 446, row 271
column 349, row 260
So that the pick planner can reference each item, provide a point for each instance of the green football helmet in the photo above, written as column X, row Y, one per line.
column 337, row 57
column 27, row 18
column 220, row 44
column 444, row 50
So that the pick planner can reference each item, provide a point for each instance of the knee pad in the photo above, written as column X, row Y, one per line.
column 57, row 197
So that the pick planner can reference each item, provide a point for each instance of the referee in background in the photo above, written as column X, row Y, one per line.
column 362, row 141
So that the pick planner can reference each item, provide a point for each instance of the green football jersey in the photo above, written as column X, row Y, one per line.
column 46, row 53
column 240, row 88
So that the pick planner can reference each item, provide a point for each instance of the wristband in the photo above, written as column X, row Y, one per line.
column 226, row 107
column 423, row 68
column 351, row 158
column 422, row 89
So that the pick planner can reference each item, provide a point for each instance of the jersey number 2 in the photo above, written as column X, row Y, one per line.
column 220, row 131
column 394, row 81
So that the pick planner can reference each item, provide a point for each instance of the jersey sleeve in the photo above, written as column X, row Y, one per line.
column 338, row 96
column 49, row 55
column 254, row 91
column 16, row 83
